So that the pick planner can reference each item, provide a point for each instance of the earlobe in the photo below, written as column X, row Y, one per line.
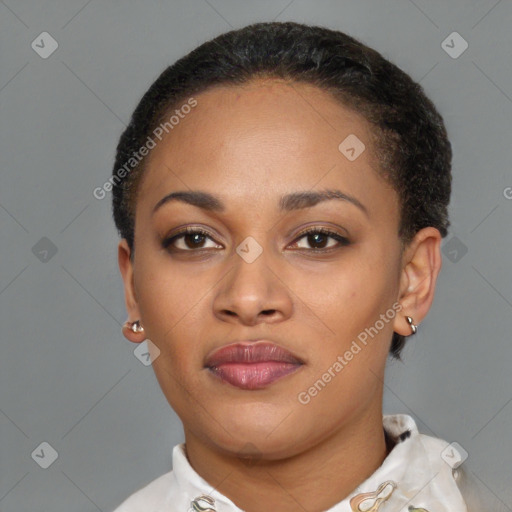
column 405, row 325
column 133, row 331
column 421, row 266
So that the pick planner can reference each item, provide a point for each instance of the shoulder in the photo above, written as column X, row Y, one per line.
column 477, row 495
column 469, row 486
column 148, row 497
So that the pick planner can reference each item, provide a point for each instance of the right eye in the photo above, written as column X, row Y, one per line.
column 191, row 238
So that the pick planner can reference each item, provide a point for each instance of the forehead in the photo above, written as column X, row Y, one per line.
column 267, row 111
column 265, row 135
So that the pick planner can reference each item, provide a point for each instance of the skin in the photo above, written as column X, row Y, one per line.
column 249, row 145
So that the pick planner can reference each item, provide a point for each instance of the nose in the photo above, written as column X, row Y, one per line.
column 253, row 293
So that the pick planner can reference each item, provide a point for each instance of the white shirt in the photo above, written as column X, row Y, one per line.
column 419, row 474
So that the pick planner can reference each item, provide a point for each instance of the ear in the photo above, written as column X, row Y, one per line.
column 126, row 268
column 421, row 264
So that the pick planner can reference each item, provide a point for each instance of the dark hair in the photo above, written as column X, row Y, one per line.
column 409, row 138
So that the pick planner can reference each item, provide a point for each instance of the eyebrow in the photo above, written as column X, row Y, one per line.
column 289, row 202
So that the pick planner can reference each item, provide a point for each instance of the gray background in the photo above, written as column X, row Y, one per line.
column 67, row 375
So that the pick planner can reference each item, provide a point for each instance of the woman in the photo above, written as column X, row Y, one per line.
column 281, row 193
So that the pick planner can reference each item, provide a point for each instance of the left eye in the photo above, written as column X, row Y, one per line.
column 320, row 238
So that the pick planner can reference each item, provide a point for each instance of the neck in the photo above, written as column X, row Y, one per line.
column 313, row 480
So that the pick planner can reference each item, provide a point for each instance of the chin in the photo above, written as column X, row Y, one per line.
column 259, row 440
column 261, row 448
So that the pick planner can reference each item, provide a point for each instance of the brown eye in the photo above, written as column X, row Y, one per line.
column 189, row 239
column 318, row 239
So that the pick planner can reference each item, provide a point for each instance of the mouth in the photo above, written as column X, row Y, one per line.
column 252, row 365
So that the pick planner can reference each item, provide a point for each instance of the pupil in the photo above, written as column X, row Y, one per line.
column 315, row 236
column 194, row 236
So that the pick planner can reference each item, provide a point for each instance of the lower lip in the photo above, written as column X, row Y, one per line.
column 253, row 375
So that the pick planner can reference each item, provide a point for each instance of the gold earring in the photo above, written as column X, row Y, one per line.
column 414, row 328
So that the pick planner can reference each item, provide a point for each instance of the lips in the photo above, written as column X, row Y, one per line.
column 252, row 364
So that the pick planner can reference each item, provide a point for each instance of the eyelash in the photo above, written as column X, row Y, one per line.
column 343, row 241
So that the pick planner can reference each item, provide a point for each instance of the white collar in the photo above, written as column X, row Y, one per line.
column 413, row 477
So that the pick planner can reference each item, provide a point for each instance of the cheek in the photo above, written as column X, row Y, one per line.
column 349, row 301
column 170, row 302
column 350, row 293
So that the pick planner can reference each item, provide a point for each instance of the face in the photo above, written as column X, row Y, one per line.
column 248, row 271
